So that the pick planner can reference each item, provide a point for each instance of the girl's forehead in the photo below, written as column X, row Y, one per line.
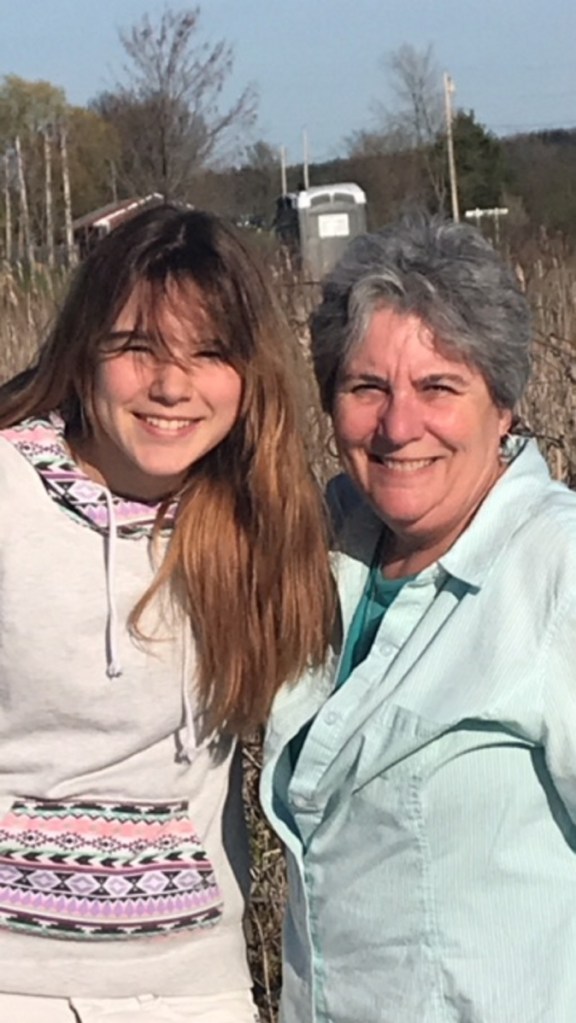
column 174, row 309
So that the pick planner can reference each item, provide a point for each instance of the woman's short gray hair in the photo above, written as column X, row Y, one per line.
column 449, row 276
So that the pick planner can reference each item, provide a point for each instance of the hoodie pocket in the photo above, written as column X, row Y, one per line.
column 104, row 870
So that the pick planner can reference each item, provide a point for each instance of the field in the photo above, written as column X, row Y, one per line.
column 548, row 273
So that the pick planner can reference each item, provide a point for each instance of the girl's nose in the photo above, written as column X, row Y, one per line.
column 171, row 383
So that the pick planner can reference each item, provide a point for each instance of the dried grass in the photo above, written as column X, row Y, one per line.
column 549, row 276
column 27, row 303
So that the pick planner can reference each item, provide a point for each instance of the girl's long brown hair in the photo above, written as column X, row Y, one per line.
column 247, row 558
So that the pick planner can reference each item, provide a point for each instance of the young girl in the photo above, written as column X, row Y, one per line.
column 162, row 572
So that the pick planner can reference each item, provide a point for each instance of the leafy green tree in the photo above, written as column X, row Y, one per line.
column 543, row 175
column 28, row 107
column 94, row 155
column 481, row 168
column 257, row 184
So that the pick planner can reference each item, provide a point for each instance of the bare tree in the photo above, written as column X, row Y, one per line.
column 416, row 81
column 26, row 247
column 168, row 114
column 49, row 204
column 66, row 191
column 7, row 209
column 415, row 122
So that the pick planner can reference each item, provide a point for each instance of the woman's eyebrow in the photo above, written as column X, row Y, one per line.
column 367, row 378
column 442, row 378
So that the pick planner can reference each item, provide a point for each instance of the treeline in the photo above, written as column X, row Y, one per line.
column 163, row 129
column 532, row 175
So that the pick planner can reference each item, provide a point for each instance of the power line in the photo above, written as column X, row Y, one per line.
column 541, row 126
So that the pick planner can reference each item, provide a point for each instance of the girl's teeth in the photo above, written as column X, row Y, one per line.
column 167, row 424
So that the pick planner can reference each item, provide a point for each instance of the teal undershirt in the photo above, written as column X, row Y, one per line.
column 378, row 595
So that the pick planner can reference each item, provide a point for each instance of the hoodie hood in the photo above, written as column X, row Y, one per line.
column 41, row 442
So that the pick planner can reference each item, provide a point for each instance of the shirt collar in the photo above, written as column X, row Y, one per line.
column 506, row 507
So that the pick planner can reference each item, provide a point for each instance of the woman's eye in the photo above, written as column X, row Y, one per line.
column 439, row 388
column 367, row 389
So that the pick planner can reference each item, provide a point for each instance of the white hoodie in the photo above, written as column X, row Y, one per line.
column 89, row 716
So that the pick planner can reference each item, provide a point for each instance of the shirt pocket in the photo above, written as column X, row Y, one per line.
column 100, row 870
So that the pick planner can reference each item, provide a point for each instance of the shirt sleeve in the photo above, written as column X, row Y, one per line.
column 558, row 682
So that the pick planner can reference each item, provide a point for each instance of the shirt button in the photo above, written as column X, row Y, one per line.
column 332, row 717
column 387, row 649
column 303, row 802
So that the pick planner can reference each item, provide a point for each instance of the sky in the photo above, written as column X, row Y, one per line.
column 319, row 65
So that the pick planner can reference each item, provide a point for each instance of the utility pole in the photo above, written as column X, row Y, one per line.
column 448, row 92
column 306, row 177
column 283, row 184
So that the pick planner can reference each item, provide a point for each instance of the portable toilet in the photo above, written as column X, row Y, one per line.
column 328, row 217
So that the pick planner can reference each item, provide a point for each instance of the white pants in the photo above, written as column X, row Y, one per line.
column 235, row 1007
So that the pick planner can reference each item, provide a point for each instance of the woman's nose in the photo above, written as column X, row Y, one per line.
column 401, row 419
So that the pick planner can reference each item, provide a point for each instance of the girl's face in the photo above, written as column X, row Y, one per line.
column 156, row 411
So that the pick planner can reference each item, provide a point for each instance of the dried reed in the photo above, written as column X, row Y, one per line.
column 549, row 275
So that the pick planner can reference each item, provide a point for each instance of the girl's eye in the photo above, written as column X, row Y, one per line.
column 211, row 354
column 138, row 347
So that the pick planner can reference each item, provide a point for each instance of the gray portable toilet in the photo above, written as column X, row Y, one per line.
column 328, row 217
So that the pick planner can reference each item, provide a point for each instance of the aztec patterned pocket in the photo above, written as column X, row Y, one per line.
column 102, row 870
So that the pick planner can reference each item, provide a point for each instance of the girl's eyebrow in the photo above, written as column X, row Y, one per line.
column 123, row 335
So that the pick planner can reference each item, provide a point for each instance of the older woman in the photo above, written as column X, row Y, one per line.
column 425, row 785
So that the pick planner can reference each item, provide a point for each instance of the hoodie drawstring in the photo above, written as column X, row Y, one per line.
column 187, row 736
column 113, row 666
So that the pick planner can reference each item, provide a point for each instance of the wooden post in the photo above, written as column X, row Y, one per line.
column 70, row 247
column 283, row 185
column 305, row 160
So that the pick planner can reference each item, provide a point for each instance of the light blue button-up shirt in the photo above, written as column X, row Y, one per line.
column 429, row 823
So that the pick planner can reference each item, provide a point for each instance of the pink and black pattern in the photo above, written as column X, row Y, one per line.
column 42, row 443
column 101, row 870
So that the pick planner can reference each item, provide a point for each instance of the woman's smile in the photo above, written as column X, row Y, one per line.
column 405, row 466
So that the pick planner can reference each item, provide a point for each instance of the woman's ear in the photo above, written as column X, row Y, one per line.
column 506, row 417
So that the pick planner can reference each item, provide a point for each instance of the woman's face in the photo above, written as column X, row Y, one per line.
column 156, row 412
column 418, row 431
